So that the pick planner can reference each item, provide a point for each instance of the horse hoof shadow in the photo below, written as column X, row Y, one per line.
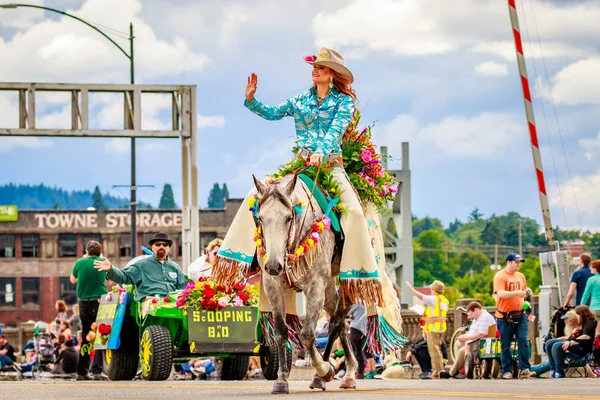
column 317, row 383
column 280, row 388
column 348, row 383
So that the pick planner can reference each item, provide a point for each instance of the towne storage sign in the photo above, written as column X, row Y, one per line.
column 107, row 220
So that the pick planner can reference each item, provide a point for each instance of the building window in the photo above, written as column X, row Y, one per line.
column 7, row 246
column 30, row 291
column 30, row 246
column 125, row 245
column 67, row 245
column 68, row 290
column 7, row 291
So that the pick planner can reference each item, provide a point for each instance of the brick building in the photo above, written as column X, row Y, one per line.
column 38, row 251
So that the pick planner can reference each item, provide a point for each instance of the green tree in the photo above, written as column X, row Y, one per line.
column 425, row 224
column 97, row 200
column 531, row 269
column 492, row 233
column 475, row 215
column 470, row 260
column 225, row 191
column 215, row 197
column 429, row 259
column 167, row 200
column 478, row 285
column 453, row 227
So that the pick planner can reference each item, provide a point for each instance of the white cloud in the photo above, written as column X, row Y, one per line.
column 429, row 27
column 489, row 135
column 9, row 143
column 577, row 83
column 579, row 199
column 210, row 121
column 69, row 50
column 506, row 50
column 590, row 147
column 491, row 68
column 22, row 17
column 118, row 145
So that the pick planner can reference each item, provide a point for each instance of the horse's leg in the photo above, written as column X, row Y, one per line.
column 330, row 303
column 349, row 380
column 275, row 291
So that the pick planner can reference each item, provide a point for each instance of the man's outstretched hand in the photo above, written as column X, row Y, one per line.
column 103, row 265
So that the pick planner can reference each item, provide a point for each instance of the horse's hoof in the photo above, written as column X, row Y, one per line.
column 329, row 375
column 348, row 383
column 280, row 388
column 317, row 383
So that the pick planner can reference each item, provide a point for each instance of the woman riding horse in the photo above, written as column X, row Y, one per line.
column 322, row 115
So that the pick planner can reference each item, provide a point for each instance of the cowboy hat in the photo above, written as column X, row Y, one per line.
column 160, row 237
column 437, row 286
column 331, row 59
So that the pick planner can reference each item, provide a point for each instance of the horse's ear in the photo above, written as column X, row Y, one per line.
column 291, row 185
column 261, row 187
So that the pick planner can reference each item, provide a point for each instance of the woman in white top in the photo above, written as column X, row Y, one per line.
column 202, row 267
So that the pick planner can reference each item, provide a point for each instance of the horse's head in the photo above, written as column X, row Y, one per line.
column 276, row 216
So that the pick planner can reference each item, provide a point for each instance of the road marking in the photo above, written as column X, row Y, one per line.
column 293, row 389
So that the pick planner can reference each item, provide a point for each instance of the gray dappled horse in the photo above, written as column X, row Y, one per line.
column 282, row 231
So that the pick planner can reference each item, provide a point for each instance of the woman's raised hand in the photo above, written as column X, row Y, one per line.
column 251, row 86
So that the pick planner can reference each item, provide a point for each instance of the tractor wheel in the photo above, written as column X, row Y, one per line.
column 120, row 365
column 486, row 367
column 232, row 369
column 156, row 353
column 269, row 361
column 469, row 365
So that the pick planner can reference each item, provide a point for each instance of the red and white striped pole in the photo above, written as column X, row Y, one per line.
column 535, row 148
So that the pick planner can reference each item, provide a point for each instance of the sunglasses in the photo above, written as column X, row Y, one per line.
column 161, row 245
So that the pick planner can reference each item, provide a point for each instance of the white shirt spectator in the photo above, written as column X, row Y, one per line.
column 199, row 268
column 482, row 324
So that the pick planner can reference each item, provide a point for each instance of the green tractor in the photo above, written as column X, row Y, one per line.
column 149, row 337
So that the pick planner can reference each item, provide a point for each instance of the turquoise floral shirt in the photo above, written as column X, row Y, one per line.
column 319, row 128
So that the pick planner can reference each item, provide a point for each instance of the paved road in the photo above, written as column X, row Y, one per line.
column 579, row 389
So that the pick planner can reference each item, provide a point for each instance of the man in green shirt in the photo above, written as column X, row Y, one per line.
column 91, row 285
column 152, row 275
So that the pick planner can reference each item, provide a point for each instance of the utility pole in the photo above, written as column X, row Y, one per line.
column 133, row 203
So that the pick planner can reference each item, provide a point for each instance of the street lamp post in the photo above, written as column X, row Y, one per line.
column 132, row 81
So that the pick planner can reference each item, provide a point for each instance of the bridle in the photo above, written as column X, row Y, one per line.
column 293, row 234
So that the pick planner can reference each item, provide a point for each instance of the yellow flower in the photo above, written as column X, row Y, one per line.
column 332, row 190
column 198, row 285
column 299, row 251
column 211, row 284
column 258, row 242
column 251, row 202
column 310, row 242
column 321, row 226
column 265, row 258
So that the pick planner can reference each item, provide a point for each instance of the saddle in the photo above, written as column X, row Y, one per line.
column 325, row 201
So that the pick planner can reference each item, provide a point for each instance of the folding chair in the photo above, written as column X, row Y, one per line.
column 575, row 367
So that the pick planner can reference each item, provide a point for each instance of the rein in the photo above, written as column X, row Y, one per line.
column 290, row 242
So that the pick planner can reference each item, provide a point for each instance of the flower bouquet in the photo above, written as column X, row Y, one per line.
column 98, row 332
column 208, row 296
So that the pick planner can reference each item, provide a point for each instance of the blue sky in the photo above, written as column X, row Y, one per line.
column 441, row 75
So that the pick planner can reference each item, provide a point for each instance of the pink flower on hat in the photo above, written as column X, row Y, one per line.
column 310, row 58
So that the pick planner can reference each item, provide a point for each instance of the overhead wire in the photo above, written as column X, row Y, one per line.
column 544, row 118
column 555, row 113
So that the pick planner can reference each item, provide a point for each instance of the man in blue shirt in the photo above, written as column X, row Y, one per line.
column 579, row 280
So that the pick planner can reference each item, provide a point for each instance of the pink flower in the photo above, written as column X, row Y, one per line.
column 238, row 302
column 190, row 286
column 185, row 293
column 180, row 301
column 394, row 189
column 310, row 58
column 155, row 300
column 327, row 223
column 223, row 302
column 385, row 190
column 366, row 155
column 381, row 172
column 315, row 236
column 371, row 182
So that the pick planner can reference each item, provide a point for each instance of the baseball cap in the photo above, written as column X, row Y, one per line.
column 572, row 315
column 514, row 257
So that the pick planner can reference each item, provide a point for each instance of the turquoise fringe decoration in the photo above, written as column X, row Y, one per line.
column 381, row 337
column 268, row 327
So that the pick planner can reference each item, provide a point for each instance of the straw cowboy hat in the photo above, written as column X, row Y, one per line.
column 393, row 369
column 331, row 59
